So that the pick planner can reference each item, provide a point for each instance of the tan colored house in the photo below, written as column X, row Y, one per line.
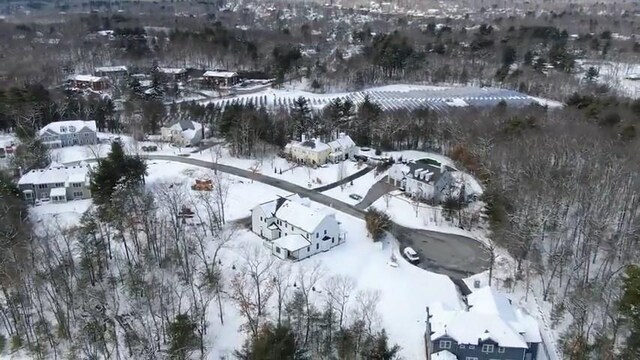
column 311, row 152
column 182, row 133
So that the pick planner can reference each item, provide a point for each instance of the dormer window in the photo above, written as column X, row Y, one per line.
column 72, row 129
column 63, row 129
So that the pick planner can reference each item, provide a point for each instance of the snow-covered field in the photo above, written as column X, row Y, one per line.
column 404, row 291
column 390, row 97
column 615, row 75
column 360, row 187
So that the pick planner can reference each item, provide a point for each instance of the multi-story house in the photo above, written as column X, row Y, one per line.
column 182, row 133
column 69, row 133
column 293, row 229
column 491, row 328
column 316, row 152
column 220, row 78
column 95, row 83
column 428, row 179
column 57, row 183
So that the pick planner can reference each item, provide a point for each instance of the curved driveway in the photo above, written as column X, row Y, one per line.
column 449, row 254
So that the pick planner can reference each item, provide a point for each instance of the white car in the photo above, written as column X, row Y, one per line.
column 411, row 255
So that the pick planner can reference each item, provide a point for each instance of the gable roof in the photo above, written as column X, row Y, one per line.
column 172, row 71
column 292, row 242
column 443, row 355
column 270, row 207
column 87, row 78
column 56, row 174
column 314, row 145
column 491, row 315
column 220, row 74
column 301, row 215
column 341, row 143
column 108, row 69
column 68, row 127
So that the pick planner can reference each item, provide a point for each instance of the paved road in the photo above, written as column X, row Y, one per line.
column 345, row 180
column 453, row 255
column 375, row 192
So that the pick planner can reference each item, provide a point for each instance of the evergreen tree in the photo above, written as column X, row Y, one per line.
column 592, row 74
column 272, row 343
column 116, row 170
column 380, row 349
column 508, row 56
column 301, row 114
column 183, row 337
column 368, row 115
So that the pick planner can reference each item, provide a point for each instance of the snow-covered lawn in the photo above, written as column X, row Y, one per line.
column 360, row 187
column 416, row 215
column 615, row 75
column 404, row 291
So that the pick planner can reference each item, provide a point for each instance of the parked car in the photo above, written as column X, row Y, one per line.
column 355, row 197
column 411, row 255
column 365, row 149
column 150, row 148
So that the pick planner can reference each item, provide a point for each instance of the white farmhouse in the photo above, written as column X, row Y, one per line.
column 182, row 133
column 293, row 229
column 342, row 148
column 428, row 179
column 68, row 133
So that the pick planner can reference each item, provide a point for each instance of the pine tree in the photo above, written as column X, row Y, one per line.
column 380, row 349
column 116, row 170
column 272, row 343
column 592, row 74
column 183, row 337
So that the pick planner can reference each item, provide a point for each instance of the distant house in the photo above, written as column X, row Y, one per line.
column 57, row 183
column 490, row 328
column 293, row 229
column 342, row 148
column 311, row 152
column 220, row 78
column 428, row 179
column 112, row 72
column 69, row 133
column 96, row 83
column 182, row 133
column 316, row 152
column 174, row 74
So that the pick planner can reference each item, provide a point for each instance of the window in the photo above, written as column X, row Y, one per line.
column 27, row 195
column 501, row 350
column 325, row 231
column 317, row 246
column 317, row 235
column 77, row 194
column 445, row 344
column 461, row 346
column 487, row 348
column 77, row 185
column 59, row 185
column 278, row 250
column 42, row 186
column 470, row 358
column 308, row 248
column 472, row 347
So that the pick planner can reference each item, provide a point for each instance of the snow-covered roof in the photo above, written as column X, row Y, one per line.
column 443, row 355
column 220, row 74
column 58, row 192
column 172, row 71
column 189, row 128
column 292, row 242
column 68, row 126
column 270, row 207
column 55, row 174
column 341, row 143
column 108, row 69
column 301, row 215
column 314, row 145
column 87, row 78
column 490, row 316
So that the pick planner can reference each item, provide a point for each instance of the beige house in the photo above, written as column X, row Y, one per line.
column 312, row 152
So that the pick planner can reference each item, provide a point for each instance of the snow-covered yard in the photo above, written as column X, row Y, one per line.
column 615, row 74
column 404, row 291
column 359, row 186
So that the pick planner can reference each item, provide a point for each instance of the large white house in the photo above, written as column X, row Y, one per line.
column 182, row 133
column 57, row 183
column 293, row 229
column 316, row 152
column 428, row 179
column 490, row 328
column 68, row 133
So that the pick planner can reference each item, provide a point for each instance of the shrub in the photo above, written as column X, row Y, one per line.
column 377, row 223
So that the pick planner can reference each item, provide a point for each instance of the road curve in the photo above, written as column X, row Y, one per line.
column 454, row 255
